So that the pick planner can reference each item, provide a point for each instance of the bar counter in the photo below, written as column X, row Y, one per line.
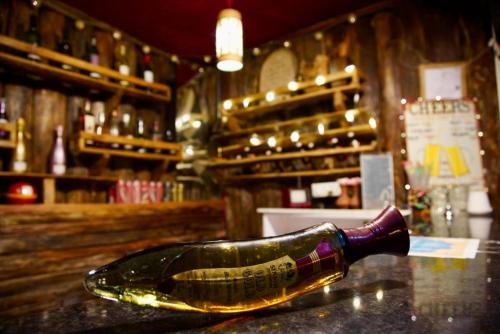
column 381, row 294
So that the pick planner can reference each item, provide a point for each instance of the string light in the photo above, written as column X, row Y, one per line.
column 255, row 140
column 228, row 104
column 271, row 141
column 295, row 136
column 350, row 68
column 293, row 85
column 287, row 44
column 372, row 122
column 321, row 129
column 270, row 96
column 246, row 102
column 320, row 80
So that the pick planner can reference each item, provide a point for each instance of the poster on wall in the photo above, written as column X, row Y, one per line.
column 443, row 137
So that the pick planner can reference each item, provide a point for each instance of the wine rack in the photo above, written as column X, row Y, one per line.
column 328, row 143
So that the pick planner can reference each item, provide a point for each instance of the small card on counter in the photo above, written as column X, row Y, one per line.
column 454, row 248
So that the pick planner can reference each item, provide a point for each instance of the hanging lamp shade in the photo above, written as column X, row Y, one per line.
column 229, row 41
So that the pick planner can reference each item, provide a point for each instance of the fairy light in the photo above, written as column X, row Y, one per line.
column 270, row 96
column 271, row 141
column 403, row 101
column 372, row 122
column 320, row 80
column 256, row 51
column 287, row 44
column 293, row 85
column 295, row 136
column 349, row 116
column 228, row 104
column 350, row 68
column 318, row 36
column 480, row 134
column 321, row 129
column 246, row 102
column 196, row 124
column 255, row 140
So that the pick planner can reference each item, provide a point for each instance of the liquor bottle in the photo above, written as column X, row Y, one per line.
column 157, row 135
column 125, row 130
column 65, row 48
column 99, row 111
column 58, row 159
column 32, row 37
column 19, row 164
column 239, row 276
column 3, row 118
column 114, row 127
column 93, row 56
column 147, row 73
column 139, row 132
column 88, row 122
column 122, row 64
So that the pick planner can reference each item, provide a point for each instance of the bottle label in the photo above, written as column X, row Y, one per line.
column 58, row 169
column 124, row 70
column 149, row 76
column 89, row 123
column 94, row 59
column 268, row 279
column 19, row 166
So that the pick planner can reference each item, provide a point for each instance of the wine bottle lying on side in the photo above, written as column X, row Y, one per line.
column 238, row 276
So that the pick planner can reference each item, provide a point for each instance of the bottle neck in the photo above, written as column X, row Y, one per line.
column 385, row 234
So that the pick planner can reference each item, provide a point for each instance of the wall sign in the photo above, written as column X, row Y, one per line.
column 377, row 181
column 443, row 136
column 443, row 80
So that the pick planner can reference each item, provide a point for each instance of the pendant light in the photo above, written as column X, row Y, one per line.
column 229, row 40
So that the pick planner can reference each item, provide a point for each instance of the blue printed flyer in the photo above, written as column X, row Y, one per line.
column 455, row 248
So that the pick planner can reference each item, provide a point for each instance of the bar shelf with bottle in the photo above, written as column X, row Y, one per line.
column 151, row 149
column 323, row 87
column 110, row 80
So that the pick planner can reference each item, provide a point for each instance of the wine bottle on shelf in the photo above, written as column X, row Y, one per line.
column 139, row 132
column 88, row 121
column 99, row 111
column 3, row 118
column 19, row 163
column 33, row 37
column 58, row 158
column 122, row 64
column 114, row 127
column 147, row 72
column 125, row 130
column 64, row 47
column 157, row 135
column 239, row 276
column 93, row 56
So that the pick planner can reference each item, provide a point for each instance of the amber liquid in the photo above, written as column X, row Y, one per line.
column 225, row 276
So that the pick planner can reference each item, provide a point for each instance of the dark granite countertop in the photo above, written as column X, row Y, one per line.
column 381, row 294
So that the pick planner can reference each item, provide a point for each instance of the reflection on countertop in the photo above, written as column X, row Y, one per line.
column 381, row 294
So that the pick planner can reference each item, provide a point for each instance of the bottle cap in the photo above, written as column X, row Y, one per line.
column 385, row 234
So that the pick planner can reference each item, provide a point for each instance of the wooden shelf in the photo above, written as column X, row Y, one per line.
column 281, row 175
column 322, row 152
column 83, row 147
column 109, row 81
column 285, row 141
column 11, row 141
column 293, row 122
column 40, row 176
column 320, row 94
column 334, row 79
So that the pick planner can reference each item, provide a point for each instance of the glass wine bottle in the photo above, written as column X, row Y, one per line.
column 139, row 133
column 93, row 56
column 3, row 118
column 147, row 73
column 19, row 164
column 32, row 37
column 122, row 64
column 125, row 130
column 114, row 127
column 238, row 276
column 88, row 121
column 58, row 159
column 64, row 47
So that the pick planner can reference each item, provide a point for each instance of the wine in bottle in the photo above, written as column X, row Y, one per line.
column 19, row 164
column 88, row 121
column 147, row 73
column 32, row 37
column 3, row 118
column 157, row 135
column 114, row 127
column 65, row 48
column 122, row 64
column 58, row 159
column 125, row 130
column 139, row 132
column 93, row 56
column 239, row 276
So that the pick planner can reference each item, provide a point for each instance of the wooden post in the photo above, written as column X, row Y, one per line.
column 390, row 97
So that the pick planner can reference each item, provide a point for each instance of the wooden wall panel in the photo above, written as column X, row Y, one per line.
column 46, row 250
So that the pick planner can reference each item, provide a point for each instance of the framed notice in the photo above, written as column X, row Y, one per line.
column 377, row 181
column 443, row 80
column 279, row 68
column 443, row 136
